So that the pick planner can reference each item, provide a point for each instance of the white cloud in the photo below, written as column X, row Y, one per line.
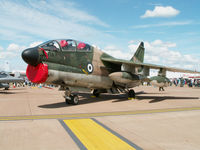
column 161, row 11
column 15, row 47
column 133, row 47
column 131, row 42
column 188, row 66
column 68, row 10
column 161, row 43
column 14, row 50
column 111, row 48
column 35, row 44
column 7, row 55
column 116, row 52
column 152, row 59
column 163, row 24
column 49, row 20
column 12, row 54
column 162, row 51
column 1, row 48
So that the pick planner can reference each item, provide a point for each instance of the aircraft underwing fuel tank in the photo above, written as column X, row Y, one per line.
column 160, row 81
column 125, row 78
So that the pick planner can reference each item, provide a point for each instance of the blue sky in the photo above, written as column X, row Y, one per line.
column 169, row 29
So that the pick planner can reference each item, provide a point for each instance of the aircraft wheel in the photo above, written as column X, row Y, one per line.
column 131, row 94
column 74, row 99
column 67, row 96
column 96, row 93
column 67, row 101
column 7, row 88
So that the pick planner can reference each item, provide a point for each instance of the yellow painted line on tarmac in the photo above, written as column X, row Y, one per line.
column 87, row 115
column 94, row 136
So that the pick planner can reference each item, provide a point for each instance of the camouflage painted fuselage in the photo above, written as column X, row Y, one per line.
column 78, row 68
column 70, row 63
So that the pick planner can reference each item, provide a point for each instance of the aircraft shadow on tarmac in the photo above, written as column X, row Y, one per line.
column 154, row 99
column 9, row 92
column 162, row 98
column 12, row 91
column 85, row 98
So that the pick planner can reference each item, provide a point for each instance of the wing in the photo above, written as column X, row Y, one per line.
column 9, row 79
column 138, row 64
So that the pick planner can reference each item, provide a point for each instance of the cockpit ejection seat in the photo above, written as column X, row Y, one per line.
column 81, row 46
column 63, row 43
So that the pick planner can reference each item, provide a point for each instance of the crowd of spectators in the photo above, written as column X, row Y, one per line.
column 186, row 81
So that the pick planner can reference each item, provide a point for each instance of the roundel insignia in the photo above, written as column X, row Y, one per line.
column 90, row 68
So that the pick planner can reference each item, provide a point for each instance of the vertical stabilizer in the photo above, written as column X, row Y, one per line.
column 139, row 54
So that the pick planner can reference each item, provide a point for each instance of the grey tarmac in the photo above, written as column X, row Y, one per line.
column 151, row 131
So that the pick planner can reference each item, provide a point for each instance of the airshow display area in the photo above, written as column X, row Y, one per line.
column 99, row 75
column 33, row 114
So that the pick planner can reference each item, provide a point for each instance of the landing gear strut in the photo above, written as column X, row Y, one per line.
column 131, row 94
column 161, row 89
column 71, row 98
column 96, row 93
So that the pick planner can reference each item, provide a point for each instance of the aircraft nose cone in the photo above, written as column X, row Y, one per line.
column 31, row 56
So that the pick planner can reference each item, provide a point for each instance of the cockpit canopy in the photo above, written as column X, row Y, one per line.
column 65, row 45
column 3, row 74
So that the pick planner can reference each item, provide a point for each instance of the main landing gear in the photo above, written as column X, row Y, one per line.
column 161, row 89
column 71, row 98
column 131, row 94
column 96, row 93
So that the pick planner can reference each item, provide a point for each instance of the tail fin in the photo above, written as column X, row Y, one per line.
column 139, row 54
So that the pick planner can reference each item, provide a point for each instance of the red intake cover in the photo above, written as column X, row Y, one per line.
column 37, row 74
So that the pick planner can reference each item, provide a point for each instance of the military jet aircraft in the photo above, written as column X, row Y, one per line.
column 5, row 79
column 77, row 65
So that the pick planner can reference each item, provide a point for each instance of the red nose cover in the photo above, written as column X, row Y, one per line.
column 37, row 74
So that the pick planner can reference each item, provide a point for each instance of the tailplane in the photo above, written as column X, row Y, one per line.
column 139, row 54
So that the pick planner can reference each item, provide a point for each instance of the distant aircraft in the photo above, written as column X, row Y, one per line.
column 78, row 66
column 5, row 79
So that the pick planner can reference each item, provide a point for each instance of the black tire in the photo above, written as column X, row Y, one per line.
column 131, row 94
column 96, row 93
column 67, row 101
column 74, row 99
